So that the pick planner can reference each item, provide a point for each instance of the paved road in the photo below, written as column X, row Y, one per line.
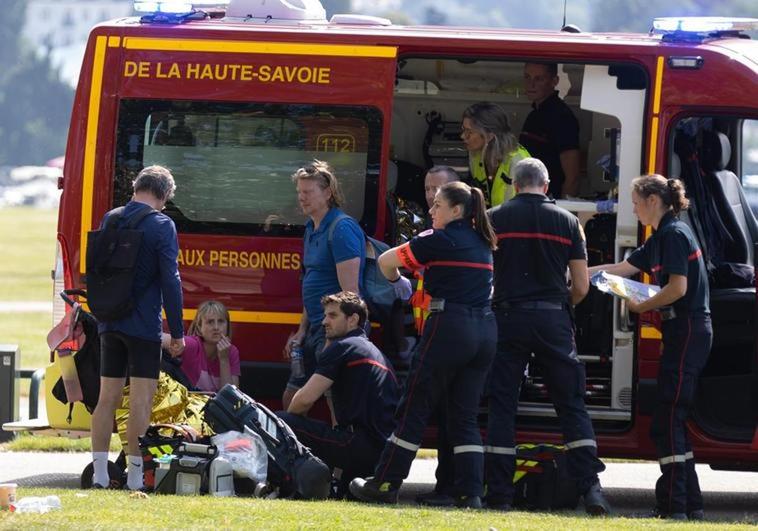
column 730, row 496
column 25, row 306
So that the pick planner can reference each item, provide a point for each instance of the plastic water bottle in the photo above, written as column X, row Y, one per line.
column 39, row 505
column 297, row 363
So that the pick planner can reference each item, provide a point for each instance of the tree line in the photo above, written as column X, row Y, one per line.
column 35, row 105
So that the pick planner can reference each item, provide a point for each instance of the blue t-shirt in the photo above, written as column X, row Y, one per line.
column 156, row 281
column 320, row 259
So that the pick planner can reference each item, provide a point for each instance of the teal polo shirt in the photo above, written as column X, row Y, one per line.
column 321, row 258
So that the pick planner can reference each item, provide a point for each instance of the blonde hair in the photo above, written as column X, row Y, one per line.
column 490, row 118
column 206, row 308
column 322, row 174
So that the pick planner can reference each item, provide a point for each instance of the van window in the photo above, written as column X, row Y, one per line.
column 233, row 161
column 749, row 160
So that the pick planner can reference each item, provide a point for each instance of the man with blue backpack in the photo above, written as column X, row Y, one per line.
column 334, row 259
column 334, row 255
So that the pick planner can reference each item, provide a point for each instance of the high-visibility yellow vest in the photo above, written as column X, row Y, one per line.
column 501, row 189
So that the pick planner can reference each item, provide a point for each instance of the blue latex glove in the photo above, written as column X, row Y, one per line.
column 597, row 277
column 403, row 289
column 606, row 205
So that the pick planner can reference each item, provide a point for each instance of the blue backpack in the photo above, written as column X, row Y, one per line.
column 376, row 290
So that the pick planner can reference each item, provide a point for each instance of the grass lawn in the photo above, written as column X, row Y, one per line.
column 25, row 442
column 117, row 510
column 28, row 243
column 28, row 330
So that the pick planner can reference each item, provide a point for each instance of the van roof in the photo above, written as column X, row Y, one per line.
column 451, row 39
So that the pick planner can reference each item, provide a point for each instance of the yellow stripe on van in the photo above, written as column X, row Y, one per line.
column 90, row 145
column 656, row 109
column 658, row 84
column 653, row 145
column 244, row 316
column 241, row 316
column 273, row 48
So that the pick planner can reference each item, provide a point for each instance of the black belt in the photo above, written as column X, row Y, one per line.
column 530, row 305
column 437, row 305
column 668, row 313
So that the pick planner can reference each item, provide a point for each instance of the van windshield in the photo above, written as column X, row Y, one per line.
column 233, row 162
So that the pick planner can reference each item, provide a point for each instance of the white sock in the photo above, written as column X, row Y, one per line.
column 134, row 478
column 100, row 475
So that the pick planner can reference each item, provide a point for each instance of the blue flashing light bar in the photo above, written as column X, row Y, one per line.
column 704, row 24
column 176, row 7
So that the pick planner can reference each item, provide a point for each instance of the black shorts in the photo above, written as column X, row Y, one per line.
column 119, row 352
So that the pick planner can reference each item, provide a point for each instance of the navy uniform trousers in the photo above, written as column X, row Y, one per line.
column 549, row 334
column 355, row 451
column 452, row 361
column 686, row 344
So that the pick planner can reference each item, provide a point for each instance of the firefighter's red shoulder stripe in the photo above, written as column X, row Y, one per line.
column 406, row 257
column 451, row 263
column 694, row 256
column 369, row 361
column 529, row 235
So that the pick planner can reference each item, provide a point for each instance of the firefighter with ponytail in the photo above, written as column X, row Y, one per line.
column 673, row 258
column 456, row 348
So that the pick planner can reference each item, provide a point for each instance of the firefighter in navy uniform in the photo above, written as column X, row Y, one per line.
column 457, row 344
column 441, row 496
column 364, row 391
column 674, row 260
column 538, row 241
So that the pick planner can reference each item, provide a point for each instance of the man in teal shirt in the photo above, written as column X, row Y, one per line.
column 334, row 253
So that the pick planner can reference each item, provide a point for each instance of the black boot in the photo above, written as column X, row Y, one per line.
column 468, row 502
column 697, row 515
column 372, row 491
column 595, row 502
column 504, row 507
column 435, row 499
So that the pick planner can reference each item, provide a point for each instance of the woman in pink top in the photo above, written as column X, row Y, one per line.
column 209, row 359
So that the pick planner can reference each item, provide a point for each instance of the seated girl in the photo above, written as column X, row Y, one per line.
column 209, row 359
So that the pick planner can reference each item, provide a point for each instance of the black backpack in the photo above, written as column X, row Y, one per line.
column 111, row 261
column 541, row 480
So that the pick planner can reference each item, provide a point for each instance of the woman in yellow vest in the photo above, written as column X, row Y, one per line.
column 493, row 150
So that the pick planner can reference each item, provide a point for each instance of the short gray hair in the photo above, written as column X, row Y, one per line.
column 156, row 180
column 530, row 173
column 450, row 174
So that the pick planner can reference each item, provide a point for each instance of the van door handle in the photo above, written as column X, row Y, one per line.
column 626, row 323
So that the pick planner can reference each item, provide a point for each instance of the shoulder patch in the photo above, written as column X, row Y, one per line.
column 427, row 232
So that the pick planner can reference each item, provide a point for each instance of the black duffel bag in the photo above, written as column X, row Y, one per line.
column 541, row 480
column 292, row 468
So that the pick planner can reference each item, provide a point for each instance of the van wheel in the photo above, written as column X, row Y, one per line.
column 114, row 472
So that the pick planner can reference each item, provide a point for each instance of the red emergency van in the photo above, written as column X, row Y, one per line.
column 235, row 97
